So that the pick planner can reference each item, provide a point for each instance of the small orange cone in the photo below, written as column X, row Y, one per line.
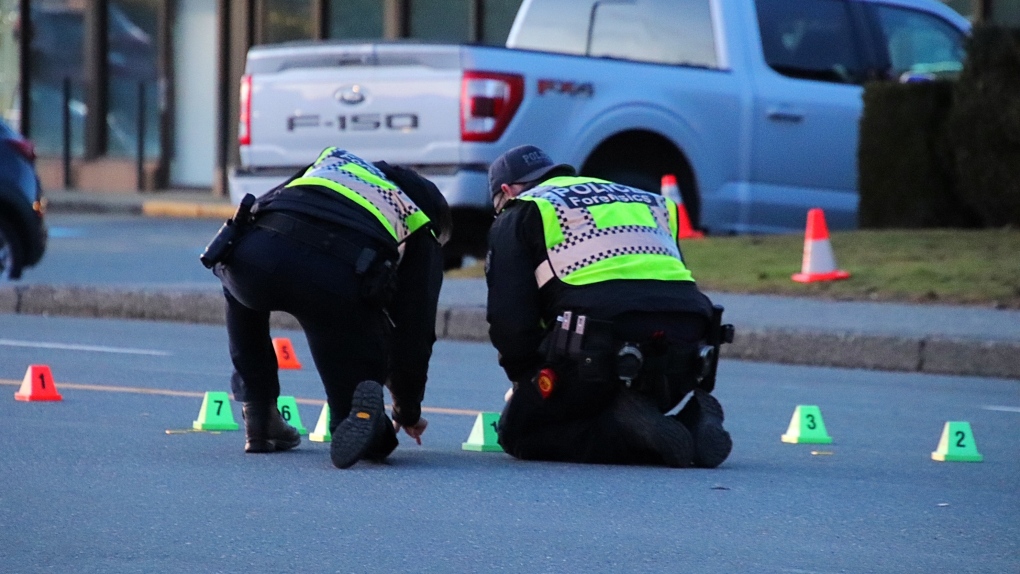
column 285, row 356
column 38, row 385
column 819, row 263
column 671, row 190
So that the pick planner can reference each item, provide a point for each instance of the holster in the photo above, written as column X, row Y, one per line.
column 223, row 243
column 378, row 277
column 708, row 354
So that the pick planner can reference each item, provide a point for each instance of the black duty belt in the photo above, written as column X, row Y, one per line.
column 322, row 239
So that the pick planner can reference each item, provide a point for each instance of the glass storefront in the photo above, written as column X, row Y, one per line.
column 285, row 20
column 57, row 56
column 440, row 20
column 132, row 29
column 499, row 16
column 355, row 19
column 10, row 60
column 129, row 82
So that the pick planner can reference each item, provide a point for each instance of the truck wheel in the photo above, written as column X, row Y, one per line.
column 11, row 254
column 635, row 179
column 469, row 238
column 647, row 182
column 453, row 257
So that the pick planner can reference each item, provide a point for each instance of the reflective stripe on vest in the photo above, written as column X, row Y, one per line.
column 363, row 183
column 597, row 230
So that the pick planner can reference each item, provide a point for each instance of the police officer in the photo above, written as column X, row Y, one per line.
column 597, row 320
column 351, row 249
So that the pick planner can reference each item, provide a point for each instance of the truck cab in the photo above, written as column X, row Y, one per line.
column 753, row 105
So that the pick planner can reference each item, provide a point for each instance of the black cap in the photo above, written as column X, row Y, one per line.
column 523, row 164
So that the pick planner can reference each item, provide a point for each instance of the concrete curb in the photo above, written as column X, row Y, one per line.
column 931, row 355
column 133, row 205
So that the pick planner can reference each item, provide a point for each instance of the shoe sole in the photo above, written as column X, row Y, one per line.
column 264, row 446
column 651, row 430
column 713, row 444
column 673, row 433
column 354, row 434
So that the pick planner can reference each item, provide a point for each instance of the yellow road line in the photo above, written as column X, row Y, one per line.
column 199, row 395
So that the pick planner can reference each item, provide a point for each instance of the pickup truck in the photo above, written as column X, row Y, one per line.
column 753, row 105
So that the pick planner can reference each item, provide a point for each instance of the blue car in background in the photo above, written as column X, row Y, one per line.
column 22, row 225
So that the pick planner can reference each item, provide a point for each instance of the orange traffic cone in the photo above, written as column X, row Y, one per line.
column 285, row 357
column 38, row 385
column 819, row 263
column 671, row 190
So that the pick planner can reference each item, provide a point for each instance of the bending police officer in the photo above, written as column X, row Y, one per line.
column 352, row 250
column 598, row 322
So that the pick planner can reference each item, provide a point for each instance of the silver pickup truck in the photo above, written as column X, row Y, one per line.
column 752, row 104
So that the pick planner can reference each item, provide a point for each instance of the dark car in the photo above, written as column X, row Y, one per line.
column 22, row 227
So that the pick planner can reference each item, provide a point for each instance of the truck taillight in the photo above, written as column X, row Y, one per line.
column 244, row 124
column 488, row 102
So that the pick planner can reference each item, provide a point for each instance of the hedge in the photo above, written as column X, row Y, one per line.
column 941, row 153
column 984, row 126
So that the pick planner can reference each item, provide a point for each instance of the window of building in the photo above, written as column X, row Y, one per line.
column 57, row 54
column 660, row 31
column 132, row 28
column 809, row 40
column 919, row 43
column 498, row 16
column 10, row 61
column 286, row 20
column 440, row 20
column 355, row 19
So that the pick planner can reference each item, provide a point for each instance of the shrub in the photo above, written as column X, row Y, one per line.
column 906, row 176
column 984, row 126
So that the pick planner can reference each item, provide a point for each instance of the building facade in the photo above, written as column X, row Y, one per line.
column 121, row 95
column 125, row 95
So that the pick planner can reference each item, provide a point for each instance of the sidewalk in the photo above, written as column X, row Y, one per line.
column 887, row 336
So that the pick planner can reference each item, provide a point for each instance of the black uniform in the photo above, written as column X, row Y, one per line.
column 353, row 335
column 582, row 421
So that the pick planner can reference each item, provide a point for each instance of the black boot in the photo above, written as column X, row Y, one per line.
column 652, row 431
column 357, row 433
column 703, row 416
column 265, row 430
column 384, row 444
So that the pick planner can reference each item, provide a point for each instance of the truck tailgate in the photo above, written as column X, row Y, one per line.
column 396, row 102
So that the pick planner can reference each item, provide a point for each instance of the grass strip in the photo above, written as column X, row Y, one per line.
column 979, row 267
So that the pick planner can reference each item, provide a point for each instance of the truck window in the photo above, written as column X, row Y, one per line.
column 659, row 31
column 551, row 26
column 919, row 43
column 809, row 40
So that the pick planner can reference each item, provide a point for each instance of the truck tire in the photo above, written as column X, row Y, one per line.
column 648, row 182
column 12, row 256
column 470, row 236
column 453, row 257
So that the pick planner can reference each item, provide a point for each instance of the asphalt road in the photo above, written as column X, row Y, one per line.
column 125, row 250
column 95, row 484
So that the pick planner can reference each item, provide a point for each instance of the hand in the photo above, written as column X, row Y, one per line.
column 414, row 431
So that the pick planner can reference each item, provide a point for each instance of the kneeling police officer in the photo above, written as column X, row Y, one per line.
column 351, row 249
column 598, row 322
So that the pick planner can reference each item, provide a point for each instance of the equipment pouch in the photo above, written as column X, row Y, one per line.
column 594, row 353
column 593, row 367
